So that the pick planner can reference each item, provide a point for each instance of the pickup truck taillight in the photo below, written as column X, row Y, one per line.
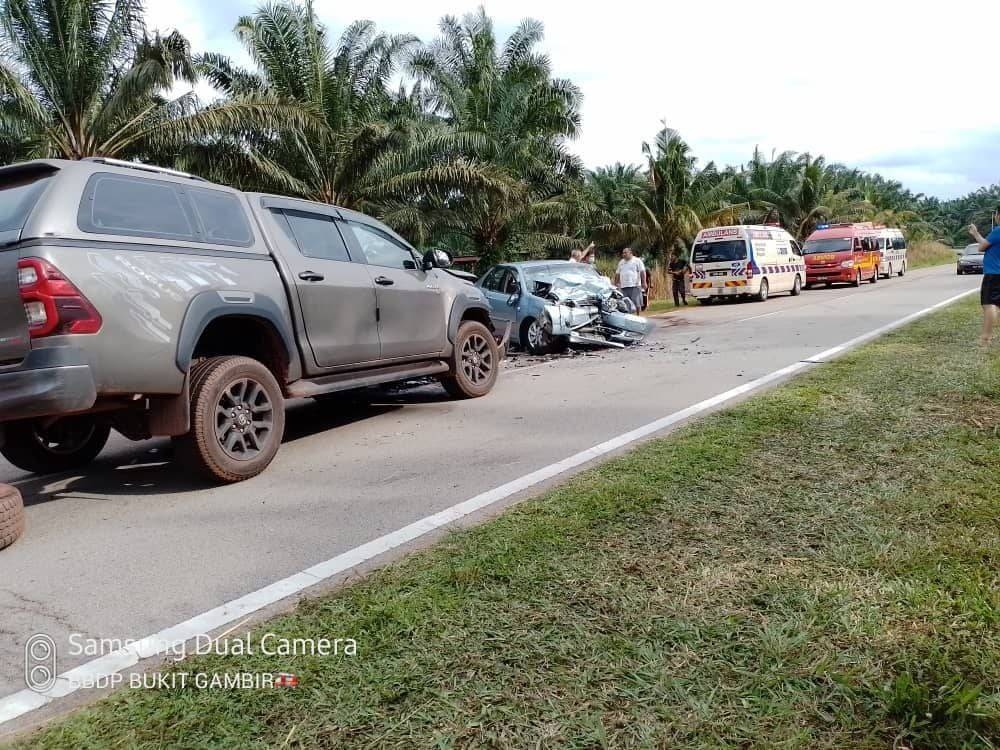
column 53, row 305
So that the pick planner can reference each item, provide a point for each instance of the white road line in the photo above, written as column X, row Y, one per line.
column 168, row 640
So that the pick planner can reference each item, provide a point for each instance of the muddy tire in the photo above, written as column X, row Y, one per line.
column 475, row 362
column 11, row 515
column 237, row 419
column 66, row 444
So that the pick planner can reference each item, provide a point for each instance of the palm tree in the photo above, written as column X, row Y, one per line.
column 505, row 121
column 804, row 191
column 678, row 201
column 354, row 158
column 82, row 78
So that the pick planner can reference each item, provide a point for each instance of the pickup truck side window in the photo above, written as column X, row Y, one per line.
column 134, row 207
column 316, row 235
column 380, row 249
column 222, row 218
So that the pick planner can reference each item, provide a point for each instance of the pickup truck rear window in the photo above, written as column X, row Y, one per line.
column 135, row 208
column 18, row 196
column 142, row 207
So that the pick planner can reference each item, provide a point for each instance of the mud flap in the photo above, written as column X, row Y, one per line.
column 504, row 340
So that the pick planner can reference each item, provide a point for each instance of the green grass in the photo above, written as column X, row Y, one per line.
column 657, row 306
column 929, row 253
column 816, row 568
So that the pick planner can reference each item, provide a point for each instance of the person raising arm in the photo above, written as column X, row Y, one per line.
column 989, row 295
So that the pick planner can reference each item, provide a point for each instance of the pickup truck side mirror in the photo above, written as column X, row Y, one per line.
column 436, row 259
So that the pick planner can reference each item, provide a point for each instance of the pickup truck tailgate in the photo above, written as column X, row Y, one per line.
column 14, row 341
column 19, row 191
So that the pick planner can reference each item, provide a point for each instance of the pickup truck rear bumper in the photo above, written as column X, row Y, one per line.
column 47, row 383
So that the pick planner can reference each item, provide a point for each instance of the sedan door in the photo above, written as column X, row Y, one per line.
column 498, row 286
column 412, row 319
column 336, row 295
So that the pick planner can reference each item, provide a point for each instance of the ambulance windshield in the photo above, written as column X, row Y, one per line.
column 719, row 252
column 837, row 245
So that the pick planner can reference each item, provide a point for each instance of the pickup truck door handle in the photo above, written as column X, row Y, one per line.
column 384, row 281
column 311, row 276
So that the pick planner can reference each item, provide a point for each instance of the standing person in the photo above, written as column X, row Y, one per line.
column 679, row 270
column 631, row 277
column 583, row 256
column 989, row 295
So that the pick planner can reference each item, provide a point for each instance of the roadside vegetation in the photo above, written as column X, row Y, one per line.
column 926, row 253
column 472, row 153
column 818, row 567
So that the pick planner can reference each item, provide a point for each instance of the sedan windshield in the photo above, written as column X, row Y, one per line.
column 972, row 250
column 837, row 245
column 719, row 252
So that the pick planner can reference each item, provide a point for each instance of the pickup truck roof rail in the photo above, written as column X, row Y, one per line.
column 142, row 167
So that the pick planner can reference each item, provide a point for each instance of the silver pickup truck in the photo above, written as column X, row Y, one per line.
column 154, row 303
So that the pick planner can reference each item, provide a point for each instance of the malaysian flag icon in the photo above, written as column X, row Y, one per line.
column 286, row 680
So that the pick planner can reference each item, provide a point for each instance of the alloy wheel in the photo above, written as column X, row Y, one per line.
column 477, row 359
column 244, row 419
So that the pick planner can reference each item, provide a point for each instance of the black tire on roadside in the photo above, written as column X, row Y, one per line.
column 857, row 278
column 764, row 293
column 252, row 429
column 874, row 278
column 11, row 515
column 66, row 444
column 902, row 270
column 475, row 362
column 797, row 286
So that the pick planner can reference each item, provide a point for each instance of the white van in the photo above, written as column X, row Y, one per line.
column 745, row 261
column 892, row 245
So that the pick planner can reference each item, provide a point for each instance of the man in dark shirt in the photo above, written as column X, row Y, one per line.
column 679, row 270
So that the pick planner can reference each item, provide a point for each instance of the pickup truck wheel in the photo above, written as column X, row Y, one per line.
column 66, row 444
column 475, row 362
column 237, row 419
column 11, row 515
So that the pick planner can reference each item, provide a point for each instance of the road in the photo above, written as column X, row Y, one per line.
column 134, row 545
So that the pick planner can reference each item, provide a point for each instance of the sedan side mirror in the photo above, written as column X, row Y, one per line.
column 515, row 293
column 436, row 259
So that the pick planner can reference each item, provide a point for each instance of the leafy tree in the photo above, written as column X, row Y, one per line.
column 82, row 78
column 504, row 126
column 345, row 156
column 678, row 200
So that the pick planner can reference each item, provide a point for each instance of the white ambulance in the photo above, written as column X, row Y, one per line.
column 745, row 261
column 892, row 246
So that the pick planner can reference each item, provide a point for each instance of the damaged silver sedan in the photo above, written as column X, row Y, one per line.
column 551, row 304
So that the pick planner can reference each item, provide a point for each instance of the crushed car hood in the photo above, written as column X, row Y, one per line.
column 587, row 309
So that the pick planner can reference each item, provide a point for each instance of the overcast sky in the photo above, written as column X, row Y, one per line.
column 877, row 84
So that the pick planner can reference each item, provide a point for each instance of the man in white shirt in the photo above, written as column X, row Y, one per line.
column 631, row 277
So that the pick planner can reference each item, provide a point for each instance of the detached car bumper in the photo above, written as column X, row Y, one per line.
column 48, row 382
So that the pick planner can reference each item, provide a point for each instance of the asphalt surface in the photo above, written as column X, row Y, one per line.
column 133, row 545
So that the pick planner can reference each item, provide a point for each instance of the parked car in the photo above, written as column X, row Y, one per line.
column 970, row 261
column 843, row 253
column 154, row 303
column 550, row 304
column 745, row 262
